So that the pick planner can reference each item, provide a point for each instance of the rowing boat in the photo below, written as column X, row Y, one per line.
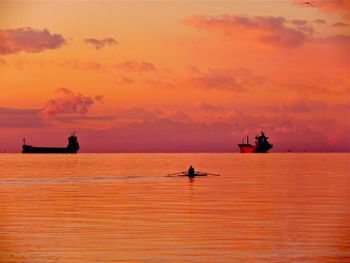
column 195, row 174
column 185, row 173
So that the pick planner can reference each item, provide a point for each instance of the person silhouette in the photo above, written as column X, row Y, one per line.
column 191, row 171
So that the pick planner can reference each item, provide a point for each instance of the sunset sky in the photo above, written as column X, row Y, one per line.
column 175, row 76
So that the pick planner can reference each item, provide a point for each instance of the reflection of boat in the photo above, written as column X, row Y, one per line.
column 261, row 145
column 72, row 147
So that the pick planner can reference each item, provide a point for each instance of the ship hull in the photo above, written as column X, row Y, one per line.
column 48, row 150
column 263, row 148
column 248, row 148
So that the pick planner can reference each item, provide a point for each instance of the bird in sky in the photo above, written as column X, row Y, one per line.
column 308, row 3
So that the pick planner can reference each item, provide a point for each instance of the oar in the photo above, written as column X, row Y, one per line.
column 214, row 174
column 177, row 173
column 209, row 173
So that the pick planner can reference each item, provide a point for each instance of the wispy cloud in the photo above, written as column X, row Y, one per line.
column 237, row 80
column 100, row 43
column 83, row 65
column 136, row 66
column 21, row 118
column 340, row 24
column 75, row 119
column 301, row 106
column 125, row 81
column 15, row 111
column 2, row 62
column 204, row 106
column 268, row 30
column 336, row 41
column 136, row 115
column 175, row 115
column 216, row 80
column 28, row 40
column 320, row 21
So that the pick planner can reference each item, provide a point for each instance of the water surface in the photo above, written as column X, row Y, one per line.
column 123, row 208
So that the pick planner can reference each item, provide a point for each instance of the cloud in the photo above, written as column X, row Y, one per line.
column 175, row 115
column 21, row 118
column 233, row 80
column 99, row 98
column 295, row 106
column 126, row 81
column 303, row 26
column 69, row 102
column 268, row 30
column 339, row 137
column 205, row 106
column 336, row 41
column 3, row 62
column 214, row 79
column 28, row 40
column 100, row 43
column 302, row 106
column 80, row 65
column 340, row 24
column 161, row 135
column 299, row 22
column 320, row 21
column 79, row 118
column 157, row 83
column 136, row 115
column 15, row 111
column 135, row 66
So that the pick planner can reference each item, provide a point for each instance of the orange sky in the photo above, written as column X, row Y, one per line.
column 175, row 75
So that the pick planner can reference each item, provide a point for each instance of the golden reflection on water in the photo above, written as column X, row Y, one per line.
column 122, row 207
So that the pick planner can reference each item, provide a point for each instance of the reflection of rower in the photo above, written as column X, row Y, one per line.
column 191, row 172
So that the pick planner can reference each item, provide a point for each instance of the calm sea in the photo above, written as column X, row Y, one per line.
column 123, row 208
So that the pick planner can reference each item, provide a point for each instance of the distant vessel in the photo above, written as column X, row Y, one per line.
column 72, row 147
column 261, row 145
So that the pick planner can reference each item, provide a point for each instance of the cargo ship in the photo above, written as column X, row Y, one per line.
column 262, row 145
column 72, row 147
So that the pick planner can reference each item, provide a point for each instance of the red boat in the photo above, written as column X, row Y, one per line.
column 261, row 145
